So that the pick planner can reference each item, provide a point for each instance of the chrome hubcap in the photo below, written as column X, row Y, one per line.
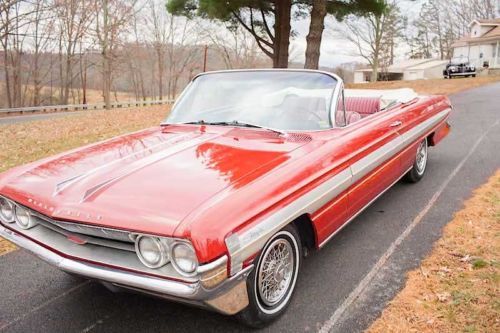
column 275, row 272
column 421, row 157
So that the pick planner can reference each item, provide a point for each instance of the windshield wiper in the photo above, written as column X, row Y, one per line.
column 245, row 124
column 234, row 123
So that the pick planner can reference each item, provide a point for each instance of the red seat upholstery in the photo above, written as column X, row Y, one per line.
column 350, row 117
column 362, row 105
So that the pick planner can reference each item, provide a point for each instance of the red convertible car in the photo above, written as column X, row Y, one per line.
column 218, row 205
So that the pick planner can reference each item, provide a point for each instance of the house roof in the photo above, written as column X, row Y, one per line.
column 495, row 21
column 410, row 64
column 401, row 66
column 491, row 36
column 495, row 32
column 429, row 64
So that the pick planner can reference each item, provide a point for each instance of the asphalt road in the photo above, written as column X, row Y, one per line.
column 342, row 288
column 38, row 116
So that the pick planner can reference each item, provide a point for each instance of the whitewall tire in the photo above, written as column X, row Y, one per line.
column 272, row 282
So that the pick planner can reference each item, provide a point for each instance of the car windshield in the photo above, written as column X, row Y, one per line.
column 281, row 100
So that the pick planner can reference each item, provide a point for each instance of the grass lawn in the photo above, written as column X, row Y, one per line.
column 26, row 142
column 457, row 287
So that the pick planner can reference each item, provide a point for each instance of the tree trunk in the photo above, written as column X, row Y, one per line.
column 7, row 74
column 68, row 74
column 313, row 38
column 160, row 79
column 106, row 57
column 37, row 83
column 106, row 91
column 374, row 75
column 83, row 73
column 282, row 13
column 378, row 33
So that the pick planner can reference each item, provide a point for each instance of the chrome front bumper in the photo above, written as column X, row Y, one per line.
column 229, row 297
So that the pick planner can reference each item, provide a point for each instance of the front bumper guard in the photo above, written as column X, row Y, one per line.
column 229, row 297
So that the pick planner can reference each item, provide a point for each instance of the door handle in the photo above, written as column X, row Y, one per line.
column 396, row 124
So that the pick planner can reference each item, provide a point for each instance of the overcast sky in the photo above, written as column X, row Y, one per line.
column 335, row 50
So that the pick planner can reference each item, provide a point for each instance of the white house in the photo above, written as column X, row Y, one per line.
column 410, row 69
column 482, row 46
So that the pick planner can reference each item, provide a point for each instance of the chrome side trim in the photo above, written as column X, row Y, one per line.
column 252, row 240
column 462, row 74
column 361, row 210
column 242, row 246
column 365, row 165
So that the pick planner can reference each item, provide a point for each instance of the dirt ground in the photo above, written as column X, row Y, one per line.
column 457, row 287
column 430, row 87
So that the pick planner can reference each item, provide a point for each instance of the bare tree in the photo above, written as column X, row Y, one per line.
column 158, row 23
column 236, row 47
column 41, row 27
column 135, row 54
column 440, row 23
column 180, row 53
column 460, row 13
column 111, row 23
column 374, row 36
column 74, row 20
column 13, row 18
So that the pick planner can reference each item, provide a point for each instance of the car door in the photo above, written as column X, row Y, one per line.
column 367, row 147
column 375, row 162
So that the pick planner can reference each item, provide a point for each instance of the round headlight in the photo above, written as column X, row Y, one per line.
column 6, row 210
column 184, row 259
column 152, row 252
column 23, row 218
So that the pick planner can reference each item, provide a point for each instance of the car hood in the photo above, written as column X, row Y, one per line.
column 149, row 180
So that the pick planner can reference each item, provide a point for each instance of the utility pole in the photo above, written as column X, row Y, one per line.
column 205, row 59
column 85, row 78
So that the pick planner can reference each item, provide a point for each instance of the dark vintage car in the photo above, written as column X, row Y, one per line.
column 459, row 67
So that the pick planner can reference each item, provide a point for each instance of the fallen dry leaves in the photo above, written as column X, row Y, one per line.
column 75, row 95
column 26, row 142
column 430, row 87
column 457, row 287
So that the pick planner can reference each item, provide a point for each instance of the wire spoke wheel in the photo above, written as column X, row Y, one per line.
column 421, row 158
column 276, row 272
column 272, row 283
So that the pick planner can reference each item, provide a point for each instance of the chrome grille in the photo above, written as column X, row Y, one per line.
column 95, row 244
column 83, row 239
column 118, row 235
column 83, row 234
